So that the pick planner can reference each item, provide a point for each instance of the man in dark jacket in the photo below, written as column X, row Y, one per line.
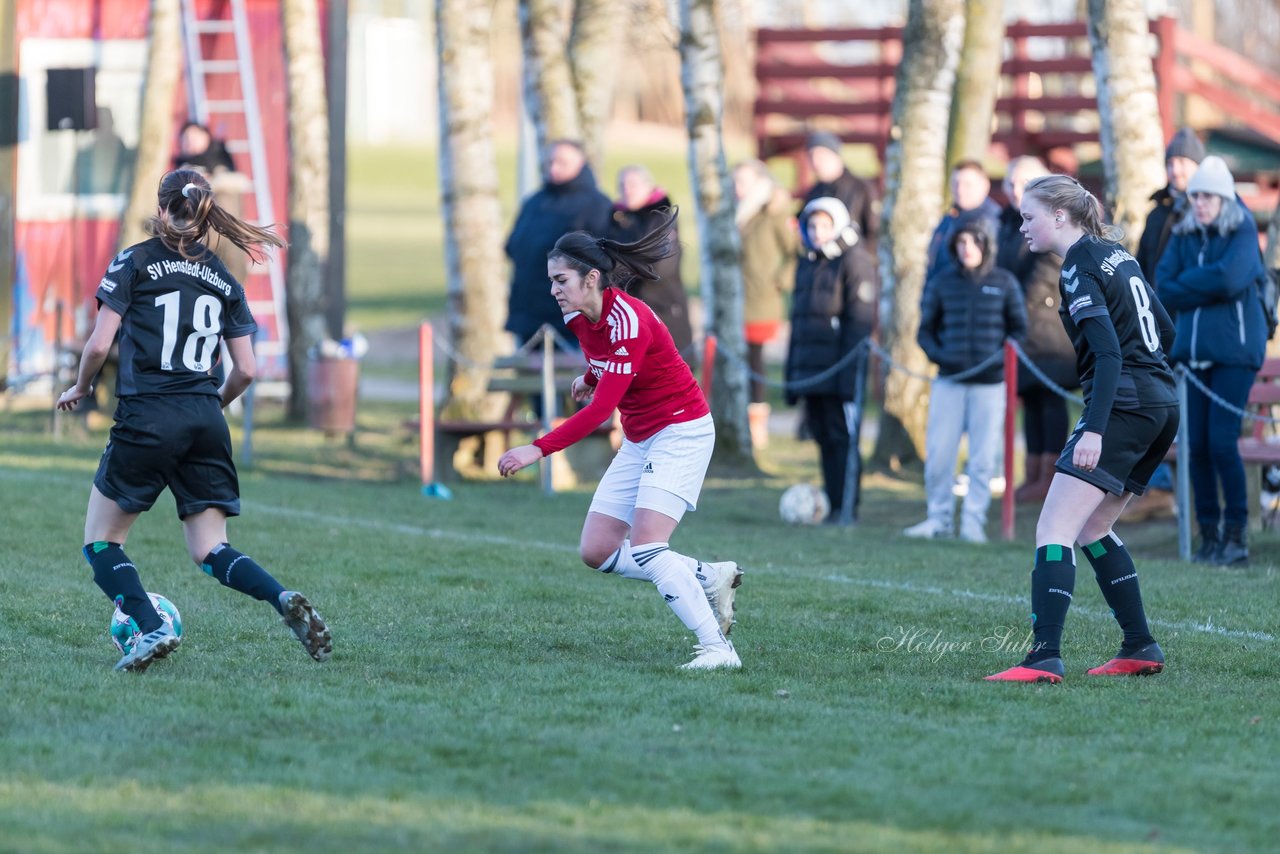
column 970, row 191
column 568, row 201
column 966, row 313
column 834, row 180
column 832, row 311
column 641, row 204
column 1181, row 159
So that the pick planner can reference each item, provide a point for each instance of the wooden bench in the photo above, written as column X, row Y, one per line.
column 1256, row 449
column 472, row 449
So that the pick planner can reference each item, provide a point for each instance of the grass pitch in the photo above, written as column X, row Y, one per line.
column 489, row 693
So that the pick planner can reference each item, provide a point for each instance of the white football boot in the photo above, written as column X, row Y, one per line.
column 714, row 657
column 307, row 624
column 150, row 647
column 720, row 582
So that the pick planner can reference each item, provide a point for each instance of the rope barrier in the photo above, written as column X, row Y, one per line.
column 1213, row 396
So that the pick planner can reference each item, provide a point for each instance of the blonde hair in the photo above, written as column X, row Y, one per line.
column 1064, row 193
column 188, row 210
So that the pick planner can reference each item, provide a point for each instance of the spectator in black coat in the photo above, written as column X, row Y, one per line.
column 832, row 311
column 199, row 149
column 1181, row 159
column 1044, row 413
column 966, row 313
column 641, row 205
column 834, row 180
column 568, row 201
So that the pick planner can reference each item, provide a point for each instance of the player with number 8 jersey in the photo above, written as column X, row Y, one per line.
column 171, row 304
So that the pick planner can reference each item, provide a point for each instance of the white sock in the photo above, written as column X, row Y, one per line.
column 623, row 563
column 681, row 589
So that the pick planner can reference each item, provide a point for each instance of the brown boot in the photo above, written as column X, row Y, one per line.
column 758, row 423
column 1033, row 475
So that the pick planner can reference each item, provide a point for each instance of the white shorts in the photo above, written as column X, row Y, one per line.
column 662, row 473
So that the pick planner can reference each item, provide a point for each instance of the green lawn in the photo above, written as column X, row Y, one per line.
column 489, row 693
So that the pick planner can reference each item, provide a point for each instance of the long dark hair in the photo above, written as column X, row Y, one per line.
column 619, row 263
column 188, row 210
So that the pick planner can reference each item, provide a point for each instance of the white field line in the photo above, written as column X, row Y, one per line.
column 1207, row 627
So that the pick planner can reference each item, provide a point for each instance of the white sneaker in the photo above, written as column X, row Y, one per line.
column 929, row 529
column 720, row 582
column 972, row 532
column 150, row 647
column 713, row 657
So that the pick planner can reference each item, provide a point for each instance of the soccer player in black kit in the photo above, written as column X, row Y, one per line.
column 172, row 303
column 1121, row 334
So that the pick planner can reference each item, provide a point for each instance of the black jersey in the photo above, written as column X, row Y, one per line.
column 1100, row 279
column 175, row 314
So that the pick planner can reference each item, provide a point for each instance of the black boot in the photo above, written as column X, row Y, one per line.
column 1235, row 547
column 1210, row 545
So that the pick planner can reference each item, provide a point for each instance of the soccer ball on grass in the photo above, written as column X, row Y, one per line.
column 124, row 631
column 804, row 504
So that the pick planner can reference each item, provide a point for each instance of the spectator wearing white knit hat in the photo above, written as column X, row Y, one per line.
column 1209, row 275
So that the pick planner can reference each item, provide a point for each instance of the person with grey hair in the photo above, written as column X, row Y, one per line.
column 1208, row 277
column 1044, row 414
column 641, row 205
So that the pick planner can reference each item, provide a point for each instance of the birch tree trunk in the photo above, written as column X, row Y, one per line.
column 914, row 176
column 548, row 78
column 155, row 134
column 702, row 73
column 469, row 198
column 977, row 81
column 593, row 56
column 308, row 192
column 1132, row 143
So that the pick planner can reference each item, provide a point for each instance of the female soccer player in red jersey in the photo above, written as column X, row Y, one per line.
column 1121, row 334
column 657, row 475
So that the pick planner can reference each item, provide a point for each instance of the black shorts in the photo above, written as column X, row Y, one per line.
column 176, row 440
column 1133, row 446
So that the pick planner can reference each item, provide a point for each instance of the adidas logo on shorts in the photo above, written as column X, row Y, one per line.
column 648, row 468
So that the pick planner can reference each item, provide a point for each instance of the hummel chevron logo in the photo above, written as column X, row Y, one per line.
column 1070, row 274
column 1072, row 285
column 621, row 351
column 118, row 264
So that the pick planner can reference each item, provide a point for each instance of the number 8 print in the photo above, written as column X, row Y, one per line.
column 1146, row 320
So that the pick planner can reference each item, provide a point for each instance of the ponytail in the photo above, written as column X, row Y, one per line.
column 1061, row 192
column 619, row 263
column 188, row 211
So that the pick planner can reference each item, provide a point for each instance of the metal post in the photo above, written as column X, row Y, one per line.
column 548, row 400
column 853, row 462
column 246, row 444
column 1010, row 411
column 427, row 414
column 1184, row 472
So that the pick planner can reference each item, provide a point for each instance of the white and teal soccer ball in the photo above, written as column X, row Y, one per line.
column 124, row 631
column 804, row 504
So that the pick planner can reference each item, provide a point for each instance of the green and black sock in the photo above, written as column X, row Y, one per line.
column 1114, row 570
column 1053, row 581
column 240, row 572
column 117, row 577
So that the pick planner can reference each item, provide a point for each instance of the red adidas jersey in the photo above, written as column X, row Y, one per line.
column 635, row 368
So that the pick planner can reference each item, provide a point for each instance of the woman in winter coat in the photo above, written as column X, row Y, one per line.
column 832, row 311
column 769, row 246
column 1044, row 414
column 968, row 309
column 641, row 205
column 1208, row 278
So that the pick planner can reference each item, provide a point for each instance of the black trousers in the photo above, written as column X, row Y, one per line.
column 833, row 423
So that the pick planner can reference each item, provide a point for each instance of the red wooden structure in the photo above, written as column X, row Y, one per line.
column 842, row 80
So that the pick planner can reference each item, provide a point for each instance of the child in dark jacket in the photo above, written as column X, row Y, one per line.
column 832, row 311
column 965, row 315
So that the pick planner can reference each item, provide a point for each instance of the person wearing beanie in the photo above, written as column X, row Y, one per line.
column 833, row 179
column 833, row 310
column 1181, row 157
column 1209, row 276
column 966, row 313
